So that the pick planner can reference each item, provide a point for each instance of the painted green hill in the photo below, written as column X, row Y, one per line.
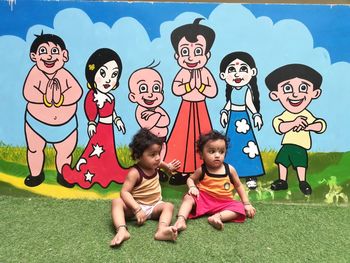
column 328, row 174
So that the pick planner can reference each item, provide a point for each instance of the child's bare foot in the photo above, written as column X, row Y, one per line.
column 122, row 235
column 180, row 223
column 216, row 222
column 166, row 233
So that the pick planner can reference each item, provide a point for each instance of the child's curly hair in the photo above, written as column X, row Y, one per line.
column 212, row 135
column 141, row 141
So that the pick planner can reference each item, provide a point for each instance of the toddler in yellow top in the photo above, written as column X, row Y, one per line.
column 295, row 86
column 141, row 196
column 210, row 187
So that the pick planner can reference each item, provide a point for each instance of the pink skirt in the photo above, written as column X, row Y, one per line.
column 206, row 204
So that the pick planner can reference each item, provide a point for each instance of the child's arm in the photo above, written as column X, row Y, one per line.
column 32, row 90
column 224, row 114
column 164, row 118
column 208, row 85
column 191, row 182
column 318, row 126
column 128, row 199
column 181, row 83
column 249, row 209
column 71, row 90
column 258, row 122
column 118, row 122
column 170, row 167
column 281, row 126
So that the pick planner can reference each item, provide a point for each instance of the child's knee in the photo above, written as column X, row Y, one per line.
column 188, row 198
column 169, row 206
column 117, row 202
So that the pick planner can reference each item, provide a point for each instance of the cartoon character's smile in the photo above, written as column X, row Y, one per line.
column 49, row 64
column 149, row 102
column 295, row 103
column 106, row 86
column 192, row 65
column 238, row 80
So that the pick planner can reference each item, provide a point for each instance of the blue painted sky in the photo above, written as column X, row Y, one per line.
column 331, row 32
column 273, row 34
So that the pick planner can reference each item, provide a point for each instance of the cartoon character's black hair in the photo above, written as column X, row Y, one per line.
column 97, row 60
column 247, row 58
column 292, row 71
column 45, row 38
column 191, row 32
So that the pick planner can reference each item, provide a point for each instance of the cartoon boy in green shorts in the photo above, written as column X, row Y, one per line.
column 295, row 86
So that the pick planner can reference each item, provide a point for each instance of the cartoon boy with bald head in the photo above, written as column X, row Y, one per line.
column 146, row 90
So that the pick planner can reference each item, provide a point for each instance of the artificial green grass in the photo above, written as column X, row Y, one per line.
column 41, row 229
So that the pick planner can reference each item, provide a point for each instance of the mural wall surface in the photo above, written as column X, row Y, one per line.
column 79, row 79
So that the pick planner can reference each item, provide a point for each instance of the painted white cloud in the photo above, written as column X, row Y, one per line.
column 242, row 126
column 251, row 149
column 271, row 45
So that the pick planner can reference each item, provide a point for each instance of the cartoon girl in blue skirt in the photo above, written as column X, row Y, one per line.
column 239, row 72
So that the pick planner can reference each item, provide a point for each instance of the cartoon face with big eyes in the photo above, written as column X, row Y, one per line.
column 295, row 94
column 106, row 77
column 238, row 73
column 146, row 88
column 192, row 55
column 49, row 57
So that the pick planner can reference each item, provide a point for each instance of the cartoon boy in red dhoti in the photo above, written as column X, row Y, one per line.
column 194, row 83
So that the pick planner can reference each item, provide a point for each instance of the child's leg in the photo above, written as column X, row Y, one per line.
column 304, row 186
column 217, row 220
column 185, row 209
column 119, row 209
column 281, row 183
column 301, row 172
column 282, row 172
column 164, row 211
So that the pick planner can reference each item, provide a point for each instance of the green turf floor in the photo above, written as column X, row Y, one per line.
column 37, row 229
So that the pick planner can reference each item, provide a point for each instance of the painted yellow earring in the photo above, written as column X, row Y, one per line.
column 89, row 86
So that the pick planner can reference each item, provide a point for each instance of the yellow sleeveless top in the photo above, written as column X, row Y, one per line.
column 147, row 190
column 217, row 185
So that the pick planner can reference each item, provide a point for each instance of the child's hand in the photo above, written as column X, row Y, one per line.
column 147, row 114
column 249, row 210
column 198, row 78
column 223, row 118
column 49, row 91
column 91, row 129
column 174, row 165
column 140, row 217
column 193, row 191
column 192, row 80
column 300, row 123
column 57, row 92
column 258, row 122
column 120, row 125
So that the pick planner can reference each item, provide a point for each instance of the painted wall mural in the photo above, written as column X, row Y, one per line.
column 80, row 79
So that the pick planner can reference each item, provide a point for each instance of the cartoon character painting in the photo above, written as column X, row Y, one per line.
column 52, row 94
column 295, row 86
column 99, row 162
column 146, row 89
column 239, row 71
column 193, row 83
